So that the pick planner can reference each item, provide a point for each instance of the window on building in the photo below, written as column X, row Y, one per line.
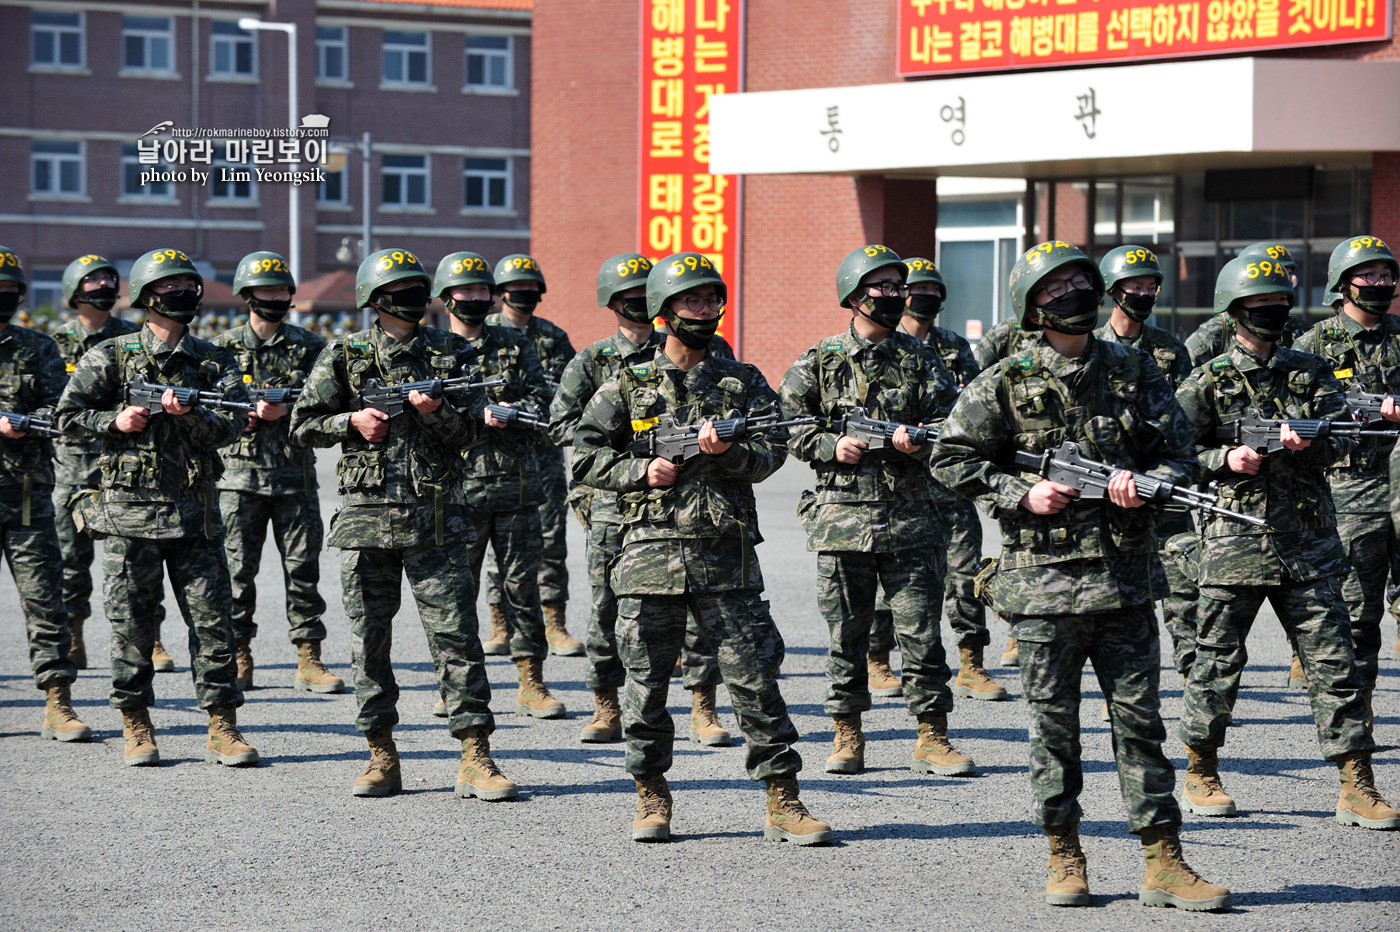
column 131, row 177
column 57, row 39
column 227, row 184
column 405, row 181
column 45, row 289
column 489, row 62
column 405, row 57
column 147, row 42
column 58, row 167
column 331, row 189
column 231, row 50
column 486, row 183
column 331, row 49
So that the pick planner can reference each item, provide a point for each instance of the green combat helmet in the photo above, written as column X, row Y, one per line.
column 383, row 268
column 518, row 267
column 1357, row 251
column 155, row 265
column 860, row 263
column 621, row 272
column 922, row 271
column 1247, row 275
column 12, row 270
column 677, row 273
column 1275, row 251
column 1036, row 263
column 1128, row 262
column 462, row 268
column 81, row 268
column 262, row 269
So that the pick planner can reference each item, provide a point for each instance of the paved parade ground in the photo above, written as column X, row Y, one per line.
column 86, row 843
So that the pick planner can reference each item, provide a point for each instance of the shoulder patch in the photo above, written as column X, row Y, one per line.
column 832, row 347
column 607, row 351
column 360, row 344
column 640, row 372
column 1220, row 364
column 1026, row 363
column 133, row 346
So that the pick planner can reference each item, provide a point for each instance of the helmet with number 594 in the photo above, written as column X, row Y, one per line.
column 81, row 268
column 680, row 272
column 383, row 268
column 1248, row 275
column 860, row 263
column 1035, row 264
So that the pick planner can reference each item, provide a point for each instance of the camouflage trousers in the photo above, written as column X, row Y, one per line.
column 133, row 572
column 554, row 519
column 913, row 582
column 445, row 591
column 651, row 632
column 1315, row 618
column 1123, row 646
column 699, row 667
column 78, row 553
column 31, row 550
column 964, row 612
column 1179, row 601
column 514, row 536
column 1371, row 548
column 296, row 531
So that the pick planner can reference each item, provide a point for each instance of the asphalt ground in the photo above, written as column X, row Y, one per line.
column 87, row 843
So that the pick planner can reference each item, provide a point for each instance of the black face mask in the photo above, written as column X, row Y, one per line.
column 1072, row 314
column 410, row 304
column 180, row 306
column 635, row 309
column 1373, row 299
column 9, row 303
column 1138, row 307
column 101, row 298
column 882, row 311
column 273, row 311
column 924, row 307
column 471, row 313
column 523, row 301
column 1265, row 322
column 694, row 334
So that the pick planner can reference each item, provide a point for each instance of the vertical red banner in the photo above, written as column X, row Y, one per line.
column 691, row 50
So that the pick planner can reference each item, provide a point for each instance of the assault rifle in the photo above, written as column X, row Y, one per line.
column 515, row 417
column 675, row 443
column 147, row 395
column 1068, row 466
column 1367, row 405
column 27, row 423
column 878, row 434
column 274, row 396
column 393, row 399
column 1261, row 434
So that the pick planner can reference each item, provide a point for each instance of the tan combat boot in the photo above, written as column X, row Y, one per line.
column 1011, row 657
column 226, row 745
column 788, row 820
column 162, row 661
column 61, row 723
column 560, row 643
column 883, row 682
column 848, row 755
column 973, row 681
column 1068, row 869
column 243, row 657
column 77, row 651
column 934, row 753
column 1297, row 679
column 440, row 709
column 534, row 698
column 653, row 822
column 680, row 668
column 1360, row 803
column 498, row 644
column 1170, row 881
column 1204, row 794
column 606, row 726
column 705, row 727
column 382, row 776
column 478, row 774
column 312, row 675
column 140, row 737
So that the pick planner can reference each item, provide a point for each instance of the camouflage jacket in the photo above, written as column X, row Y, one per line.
column 75, row 461
column 1290, row 491
column 1217, row 335
column 1368, row 360
column 158, row 482
column 697, row 535
column 1166, row 350
column 31, row 379
column 884, row 502
column 954, row 352
column 1003, row 340
column 264, row 460
column 552, row 348
column 406, row 491
column 1116, row 404
column 500, row 462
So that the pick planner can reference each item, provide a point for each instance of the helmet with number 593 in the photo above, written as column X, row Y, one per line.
column 158, row 264
column 1035, row 264
column 383, row 268
column 622, row 272
column 680, row 272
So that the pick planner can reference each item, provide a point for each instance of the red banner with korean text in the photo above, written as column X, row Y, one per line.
column 948, row 36
column 691, row 49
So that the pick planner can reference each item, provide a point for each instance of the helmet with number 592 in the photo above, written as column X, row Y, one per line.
column 384, row 268
column 263, row 269
column 1356, row 251
column 680, row 272
column 1129, row 262
column 519, row 267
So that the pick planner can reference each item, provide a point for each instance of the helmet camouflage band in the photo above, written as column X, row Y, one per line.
column 1276, row 251
column 860, row 263
column 384, row 268
column 11, row 269
column 622, row 272
column 1248, row 275
column 155, row 265
column 518, row 268
column 1038, row 262
column 262, row 269
column 462, row 268
column 922, row 271
column 1128, row 262
column 1357, row 251
column 680, row 272
column 81, row 268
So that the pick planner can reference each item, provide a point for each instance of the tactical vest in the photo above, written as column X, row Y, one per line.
column 502, row 452
column 1355, row 370
column 273, row 439
column 28, row 462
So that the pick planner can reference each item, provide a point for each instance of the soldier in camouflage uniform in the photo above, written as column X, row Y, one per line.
column 690, row 531
column 90, row 288
column 157, row 505
column 502, row 479
column 1297, row 562
column 268, row 480
column 31, row 378
column 1216, row 335
column 404, row 511
column 872, row 519
column 520, row 286
column 1074, row 575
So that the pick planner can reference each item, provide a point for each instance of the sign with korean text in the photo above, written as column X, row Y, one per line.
column 691, row 50
column 947, row 36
